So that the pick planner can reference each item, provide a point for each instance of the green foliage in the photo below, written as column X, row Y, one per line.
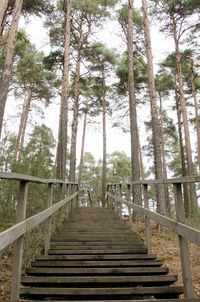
column 30, row 73
column 119, row 167
column 140, row 73
column 33, row 7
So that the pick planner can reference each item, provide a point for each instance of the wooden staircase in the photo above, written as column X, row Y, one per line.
column 96, row 257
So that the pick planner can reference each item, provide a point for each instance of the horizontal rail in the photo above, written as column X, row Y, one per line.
column 181, row 229
column 12, row 234
column 28, row 178
column 186, row 179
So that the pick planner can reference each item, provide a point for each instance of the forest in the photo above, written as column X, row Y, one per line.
column 99, row 92
column 155, row 105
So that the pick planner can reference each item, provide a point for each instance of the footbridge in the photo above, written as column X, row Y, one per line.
column 94, row 255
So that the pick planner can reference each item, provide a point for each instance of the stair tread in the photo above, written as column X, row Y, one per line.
column 102, row 270
column 100, row 279
column 102, row 291
column 108, row 263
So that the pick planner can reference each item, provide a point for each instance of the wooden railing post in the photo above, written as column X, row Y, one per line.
column 129, row 208
column 18, row 246
column 77, row 197
column 48, row 223
column 62, row 195
column 183, row 243
column 120, row 204
column 147, row 219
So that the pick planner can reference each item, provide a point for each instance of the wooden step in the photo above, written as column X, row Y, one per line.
column 97, row 271
column 98, row 251
column 130, row 300
column 99, row 280
column 98, row 257
column 95, row 257
column 100, row 263
column 112, row 291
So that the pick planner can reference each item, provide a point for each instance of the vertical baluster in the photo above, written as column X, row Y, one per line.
column 18, row 246
column 120, row 204
column 129, row 208
column 147, row 219
column 48, row 222
column 183, row 243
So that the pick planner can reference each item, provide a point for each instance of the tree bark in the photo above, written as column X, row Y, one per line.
column 63, row 119
column 182, row 153
column 154, row 113
column 3, row 9
column 192, row 77
column 167, row 201
column 193, row 197
column 72, row 171
column 82, row 148
column 135, row 161
column 23, row 124
column 104, row 164
column 142, row 172
column 9, row 57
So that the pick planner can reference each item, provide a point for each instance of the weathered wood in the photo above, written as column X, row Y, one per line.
column 100, row 279
column 183, row 244
column 147, row 219
column 12, row 234
column 28, row 178
column 103, row 291
column 170, row 181
column 18, row 248
column 181, row 229
column 146, row 300
column 48, row 223
column 94, row 271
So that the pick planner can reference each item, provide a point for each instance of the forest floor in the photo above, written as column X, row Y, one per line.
column 164, row 244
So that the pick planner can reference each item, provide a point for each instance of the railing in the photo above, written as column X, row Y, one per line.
column 116, row 198
column 15, row 234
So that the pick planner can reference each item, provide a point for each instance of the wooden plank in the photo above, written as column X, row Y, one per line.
column 170, row 181
column 183, row 244
column 95, row 271
column 48, row 222
column 12, row 234
column 18, row 248
column 99, row 279
column 181, row 229
column 28, row 178
column 79, row 291
column 151, row 300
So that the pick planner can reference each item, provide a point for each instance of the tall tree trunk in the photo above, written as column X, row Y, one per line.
column 167, row 201
column 63, row 119
column 23, row 124
column 196, row 111
column 3, row 9
column 193, row 197
column 104, row 164
column 154, row 113
column 82, row 149
column 72, row 171
column 140, row 158
column 135, row 162
column 9, row 57
column 182, row 153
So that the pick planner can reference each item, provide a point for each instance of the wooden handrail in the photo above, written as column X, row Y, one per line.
column 28, row 178
column 181, row 229
column 185, row 233
column 10, row 235
column 170, row 181
column 16, row 233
